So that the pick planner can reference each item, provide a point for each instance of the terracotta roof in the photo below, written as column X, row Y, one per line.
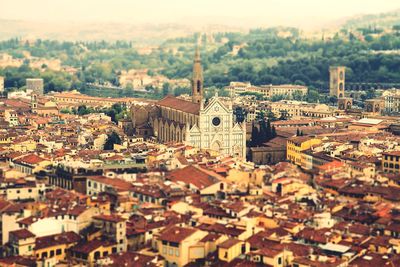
column 116, row 183
column 57, row 239
column 130, row 259
column 196, row 176
column 22, row 234
column 176, row 234
column 229, row 243
column 89, row 246
column 210, row 237
column 391, row 153
column 179, row 104
column 30, row 159
column 109, row 218
column 18, row 261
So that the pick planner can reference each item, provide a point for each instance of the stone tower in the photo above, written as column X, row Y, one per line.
column 197, row 79
column 34, row 102
column 336, row 81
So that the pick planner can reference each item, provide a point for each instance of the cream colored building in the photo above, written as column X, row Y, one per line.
column 268, row 91
column 293, row 109
column 180, row 246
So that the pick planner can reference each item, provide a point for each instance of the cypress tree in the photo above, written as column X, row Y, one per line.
column 263, row 132
column 254, row 135
column 273, row 131
column 268, row 134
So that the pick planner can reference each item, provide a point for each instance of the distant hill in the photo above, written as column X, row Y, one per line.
column 382, row 20
column 72, row 31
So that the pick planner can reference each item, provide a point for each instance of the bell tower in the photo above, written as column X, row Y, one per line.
column 197, row 78
column 34, row 103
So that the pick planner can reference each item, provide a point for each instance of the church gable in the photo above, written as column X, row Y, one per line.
column 216, row 106
column 194, row 129
column 237, row 127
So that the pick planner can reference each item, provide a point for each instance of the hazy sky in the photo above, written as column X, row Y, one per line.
column 301, row 12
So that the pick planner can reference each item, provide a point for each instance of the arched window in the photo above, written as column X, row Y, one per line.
column 198, row 86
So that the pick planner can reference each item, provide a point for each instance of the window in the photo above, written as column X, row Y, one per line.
column 279, row 260
column 52, row 253
column 177, row 252
column 198, row 86
column 216, row 121
column 58, row 251
column 164, row 250
column 171, row 251
column 30, row 190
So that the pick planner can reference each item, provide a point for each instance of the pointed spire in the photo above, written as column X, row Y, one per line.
column 197, row 78
column 197, row 54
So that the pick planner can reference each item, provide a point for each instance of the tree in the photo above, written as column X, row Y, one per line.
column 333, row 100
column 370, row 94
column 65, row 111
column 112, row 139
column 82, row 110
column 270, row 115
column 240, row 114
column 276, row 98
column 268, row 134
column 112, row 114
column 117, row 107
column 254, row 135
column 265, row 131
column 165, row 89
column 312, row 96
column 284, row 115
column 273, row 132
column 298, row 95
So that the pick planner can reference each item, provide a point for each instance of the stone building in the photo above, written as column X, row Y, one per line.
column 337, row 81
column 345, row 103
column 375, row 105
column 203, row 124
column 36, row 85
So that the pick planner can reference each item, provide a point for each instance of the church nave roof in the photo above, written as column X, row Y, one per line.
column 179, row 104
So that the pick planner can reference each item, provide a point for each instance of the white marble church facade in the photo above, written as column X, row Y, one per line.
column 217, row 130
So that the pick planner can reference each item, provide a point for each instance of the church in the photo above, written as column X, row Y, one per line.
column 204, row 124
